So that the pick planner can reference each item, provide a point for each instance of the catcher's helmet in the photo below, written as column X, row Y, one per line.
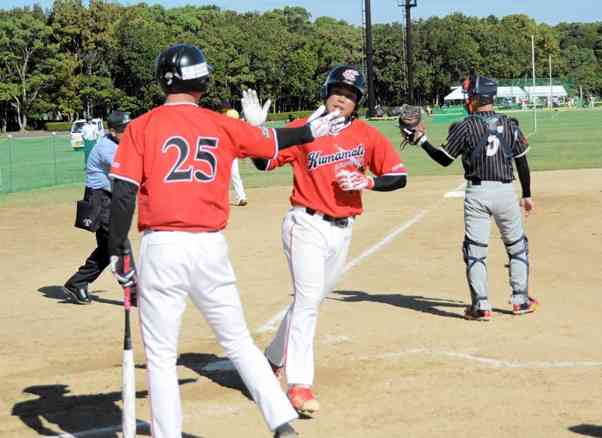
column 477, row 85
column 345, row 75
column 182, row 68
column 118, row 120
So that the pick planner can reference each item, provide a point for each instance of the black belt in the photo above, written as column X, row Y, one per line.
column 338, row 221
column 477, row 181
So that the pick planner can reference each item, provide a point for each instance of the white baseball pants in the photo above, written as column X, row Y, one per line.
column 316, row 251
column 236, row 180
column 173, row 266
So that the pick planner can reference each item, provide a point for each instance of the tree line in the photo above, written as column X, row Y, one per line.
column 74, row 60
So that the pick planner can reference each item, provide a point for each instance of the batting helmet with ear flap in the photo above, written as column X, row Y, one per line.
column 182, row 68
column 345, row 75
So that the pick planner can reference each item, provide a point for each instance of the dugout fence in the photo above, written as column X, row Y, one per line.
column 34, row 162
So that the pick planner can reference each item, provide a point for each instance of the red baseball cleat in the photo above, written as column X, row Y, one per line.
column 529, row 307
column 477, row 315
column 303, row 400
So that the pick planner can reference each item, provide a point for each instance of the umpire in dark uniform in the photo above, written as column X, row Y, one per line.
column 488, row 143
column 98, row 194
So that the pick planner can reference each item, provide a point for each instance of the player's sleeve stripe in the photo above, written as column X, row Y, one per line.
column 394, row 173
column 522, row 153
column 123, row 178
column 276, row 145
column 446, row 153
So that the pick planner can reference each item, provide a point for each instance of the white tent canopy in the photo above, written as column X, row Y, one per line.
column 511, row 92
column 546, row 91
column 456, row 94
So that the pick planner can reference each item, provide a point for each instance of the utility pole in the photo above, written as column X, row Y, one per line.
column 550, row 70
column 369, row 58
column 408, row 5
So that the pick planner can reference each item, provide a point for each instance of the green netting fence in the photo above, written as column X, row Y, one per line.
column 33, row 162
column 449, row 114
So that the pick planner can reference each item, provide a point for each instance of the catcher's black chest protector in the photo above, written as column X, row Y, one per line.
column 493, row 141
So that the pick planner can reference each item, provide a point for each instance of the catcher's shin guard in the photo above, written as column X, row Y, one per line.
column 518, row 265
column 475, row 254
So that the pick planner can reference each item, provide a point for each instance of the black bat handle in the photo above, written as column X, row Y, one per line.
column 127, row 334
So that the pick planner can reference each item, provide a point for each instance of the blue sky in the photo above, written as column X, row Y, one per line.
column 387, row 11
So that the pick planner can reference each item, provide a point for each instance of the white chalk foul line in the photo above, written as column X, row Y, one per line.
column 387, row 239
column 491, row 362
column 273, row 322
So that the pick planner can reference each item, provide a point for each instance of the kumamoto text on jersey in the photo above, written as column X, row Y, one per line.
column 316, row 159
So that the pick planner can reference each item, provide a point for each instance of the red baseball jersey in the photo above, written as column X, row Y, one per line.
column 358, row 147
column 180, row 155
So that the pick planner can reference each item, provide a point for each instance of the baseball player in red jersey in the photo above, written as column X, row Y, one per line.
column 177, row 159
column 329, row 175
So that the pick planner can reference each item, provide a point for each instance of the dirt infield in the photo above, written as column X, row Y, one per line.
column 394, row 356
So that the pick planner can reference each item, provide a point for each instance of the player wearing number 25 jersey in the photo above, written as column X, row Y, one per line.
column 177, row 160
column 183, row 154
column 329, row 175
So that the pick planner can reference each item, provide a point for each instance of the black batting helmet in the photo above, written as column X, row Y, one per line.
column 182, row 68
column 477, row 85
column 345, row 75
column 118, row 120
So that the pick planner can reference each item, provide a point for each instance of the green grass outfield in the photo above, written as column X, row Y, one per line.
column 563, row 140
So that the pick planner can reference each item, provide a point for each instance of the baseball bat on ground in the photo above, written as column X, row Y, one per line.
column 128, row 390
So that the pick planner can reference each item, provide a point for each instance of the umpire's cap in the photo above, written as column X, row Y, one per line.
column 481, row 86
column 118, row 120
column 182, row 68
column 345, row 75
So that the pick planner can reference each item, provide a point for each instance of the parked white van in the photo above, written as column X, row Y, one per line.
column 76, row 132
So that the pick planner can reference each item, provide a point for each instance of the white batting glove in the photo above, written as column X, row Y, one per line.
column 317, row 113
column 327, row 124
column 255, row 114
column 353, row 180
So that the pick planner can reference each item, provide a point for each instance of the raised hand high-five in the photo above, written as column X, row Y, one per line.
column 255, row 114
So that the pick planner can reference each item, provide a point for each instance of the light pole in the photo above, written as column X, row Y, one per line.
column 408, row 5
column 369, row 58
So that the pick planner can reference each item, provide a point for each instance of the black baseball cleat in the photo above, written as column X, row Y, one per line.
column 78, row 295
column 285, row 431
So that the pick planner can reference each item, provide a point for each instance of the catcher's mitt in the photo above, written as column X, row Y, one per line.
column 409, row 118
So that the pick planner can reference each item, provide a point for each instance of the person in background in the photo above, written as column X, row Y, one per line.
column 98, row 192
column 89, row 136
column 235, row 179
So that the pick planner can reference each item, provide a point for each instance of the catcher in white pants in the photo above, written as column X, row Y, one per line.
column 183, row 208
column 329, row 176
